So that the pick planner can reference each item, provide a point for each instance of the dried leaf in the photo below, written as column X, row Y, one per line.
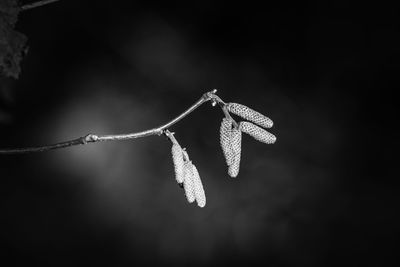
column 12, row 43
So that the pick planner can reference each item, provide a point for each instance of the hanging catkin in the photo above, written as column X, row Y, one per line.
column 225, row 140
column 188, row 184
column 198, row 188
column 250, row 114
column 177, row 157
column 236, row 144
column 257, row 132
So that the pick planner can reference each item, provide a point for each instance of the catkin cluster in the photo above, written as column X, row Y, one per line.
column 254, row 124
column 186, row 174
column 231, row 136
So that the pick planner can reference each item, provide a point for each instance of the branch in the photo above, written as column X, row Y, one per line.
column 37, row 4
column 93, row 138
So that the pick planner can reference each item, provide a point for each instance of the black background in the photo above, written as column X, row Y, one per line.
column 324, row 194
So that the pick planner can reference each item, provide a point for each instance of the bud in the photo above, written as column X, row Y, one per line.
column 236, row 144
column 177, row 158
column 257, row 132
column 188, row 184
column 249, row 114
column 198, row 188
column 225, row 140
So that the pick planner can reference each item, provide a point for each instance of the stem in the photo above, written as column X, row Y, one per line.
column 228, row 116
column 37, row 4
column 93, row 138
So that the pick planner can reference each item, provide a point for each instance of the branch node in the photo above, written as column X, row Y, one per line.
column 90, row 138
column 160, row 132
column 214, row 98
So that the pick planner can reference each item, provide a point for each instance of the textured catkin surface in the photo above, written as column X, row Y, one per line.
column 236, row 145
column 250, row 115
column 188, row 184
column 257, row 132
column 198, row 188
column 225, row 140
column 177, row 158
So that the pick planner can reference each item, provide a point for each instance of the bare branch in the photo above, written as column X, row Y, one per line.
column 37, row 4
column 92, row 138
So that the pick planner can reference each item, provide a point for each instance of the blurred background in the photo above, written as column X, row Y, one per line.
column 324, row 195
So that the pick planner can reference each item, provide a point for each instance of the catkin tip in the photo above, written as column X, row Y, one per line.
column 233, row 171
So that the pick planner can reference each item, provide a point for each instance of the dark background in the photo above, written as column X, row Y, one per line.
column 325, row 194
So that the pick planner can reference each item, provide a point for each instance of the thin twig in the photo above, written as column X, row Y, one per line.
column 92, row 138
column 37, row 4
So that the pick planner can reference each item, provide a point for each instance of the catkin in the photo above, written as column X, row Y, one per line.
column 250, row 114
column 236, row 145
column 188, row 184
column 257, row 132
column 177, row 157
column 225, row 140
column 198, row 188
